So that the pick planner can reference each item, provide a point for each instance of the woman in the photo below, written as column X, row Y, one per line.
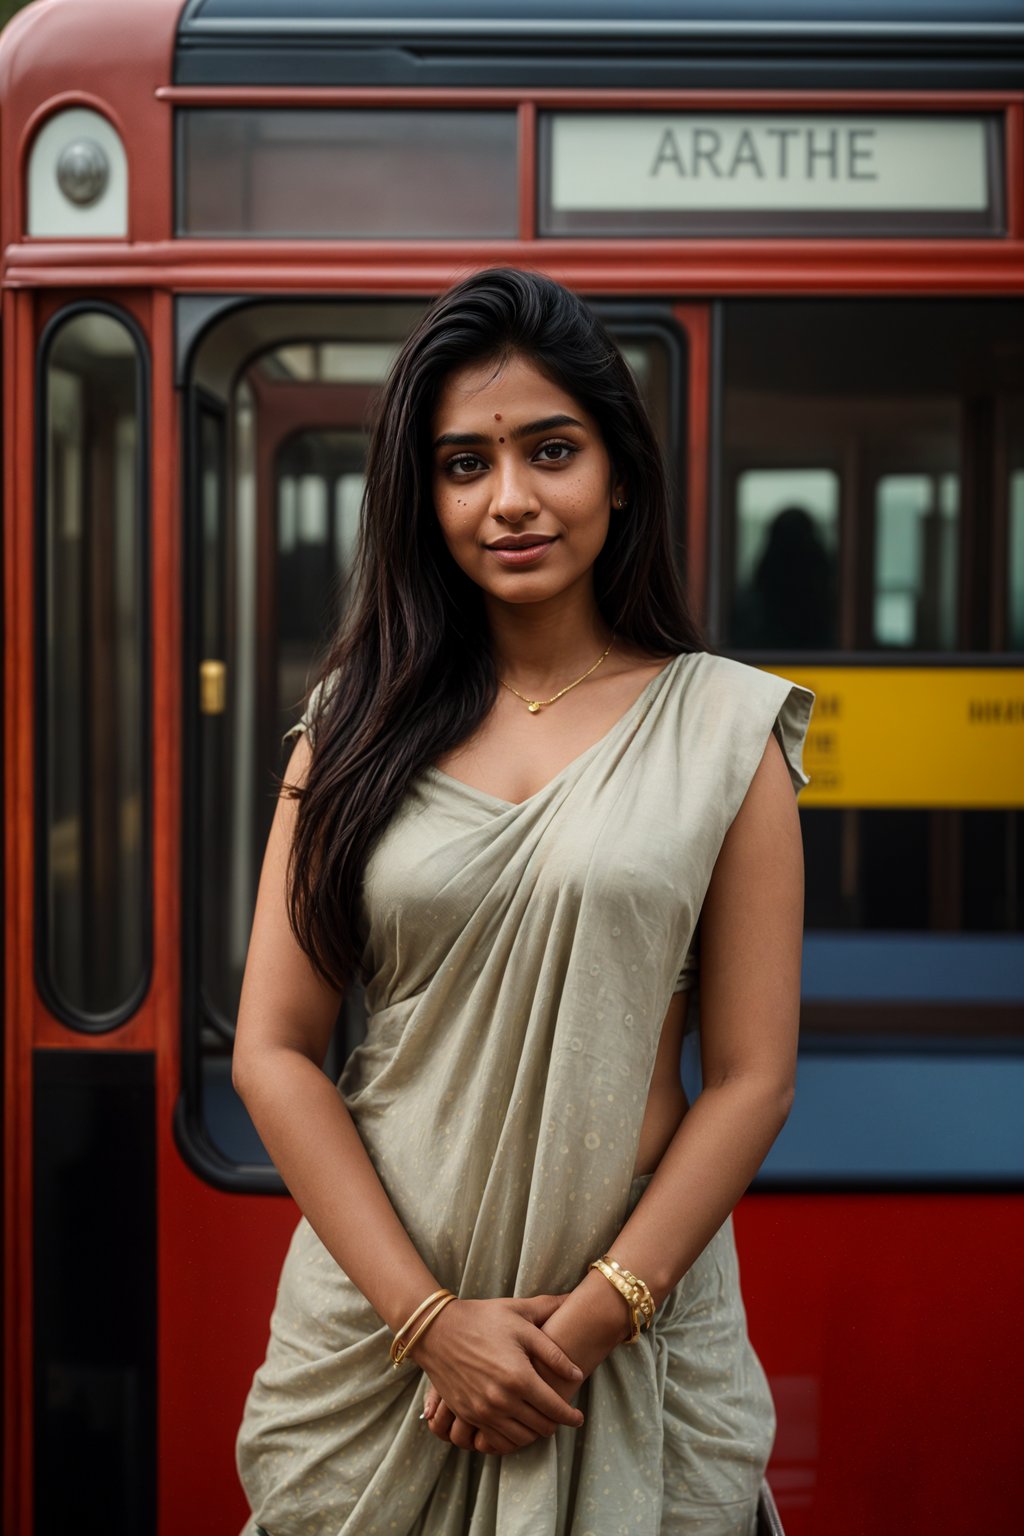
column 518, row 784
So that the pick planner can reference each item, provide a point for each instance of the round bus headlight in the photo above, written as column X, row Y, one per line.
column 83, row 171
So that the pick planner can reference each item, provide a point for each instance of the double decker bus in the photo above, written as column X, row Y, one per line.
column 804, row 224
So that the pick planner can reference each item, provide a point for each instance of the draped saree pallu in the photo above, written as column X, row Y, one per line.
column 519, row 962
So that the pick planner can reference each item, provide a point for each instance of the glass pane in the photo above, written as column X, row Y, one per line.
column 787, row 539
column 1015, row 524
column 863, row 473
column 652, row 365
column 95, row 942
column 868, row 448
column 309, row 173
column 915, row 561
column 280, row 504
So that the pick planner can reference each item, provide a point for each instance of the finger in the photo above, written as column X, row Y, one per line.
column 537, row 1309
column 511, row 1431
column 540, row 1347
column 463, row 1434
column 538, row 1424
column 431, row 1401
column 442, row 1420
column 493, row 1444
column 545, row 1400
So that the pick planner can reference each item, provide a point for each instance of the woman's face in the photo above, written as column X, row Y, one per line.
column 516, row 458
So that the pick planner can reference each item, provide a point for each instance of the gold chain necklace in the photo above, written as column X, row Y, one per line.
column 533, row 705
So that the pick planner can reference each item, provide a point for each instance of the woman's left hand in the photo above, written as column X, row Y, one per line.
column 589, row 1323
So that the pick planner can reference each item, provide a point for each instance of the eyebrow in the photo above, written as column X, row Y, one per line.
column 473, row 439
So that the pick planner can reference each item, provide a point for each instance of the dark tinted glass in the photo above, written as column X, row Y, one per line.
column 92, row 804
column 308, row 173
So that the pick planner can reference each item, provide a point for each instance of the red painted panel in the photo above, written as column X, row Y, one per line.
column 220, row 1256
column 888, row 1326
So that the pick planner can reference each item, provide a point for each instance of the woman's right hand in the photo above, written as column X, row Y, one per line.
column 480, row 1356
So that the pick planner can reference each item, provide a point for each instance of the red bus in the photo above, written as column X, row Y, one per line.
column 804, row 223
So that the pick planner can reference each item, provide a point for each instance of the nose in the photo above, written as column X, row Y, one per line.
column 512, row 492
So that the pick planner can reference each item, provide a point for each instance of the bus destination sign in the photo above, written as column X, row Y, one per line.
column 766, row 173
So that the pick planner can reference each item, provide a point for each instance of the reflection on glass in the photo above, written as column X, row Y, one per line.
column 787, row 527
column 914, row 409
column 280, row 499
column 1016, row 561
column 1015, row 523
column 871, row 479
column 92, row 802
column 915, row 561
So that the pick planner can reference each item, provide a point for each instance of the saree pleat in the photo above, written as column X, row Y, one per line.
column 519, row 963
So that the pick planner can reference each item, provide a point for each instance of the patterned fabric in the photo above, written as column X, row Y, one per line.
column 519, row 962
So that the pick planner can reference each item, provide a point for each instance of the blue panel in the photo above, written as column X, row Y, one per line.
column 941, row 1119
column 226, row 1119
column 903, row 1117
column 913, row 967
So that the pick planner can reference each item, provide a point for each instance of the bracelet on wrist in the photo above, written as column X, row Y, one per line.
column 399, row 1350
column 635, row 1293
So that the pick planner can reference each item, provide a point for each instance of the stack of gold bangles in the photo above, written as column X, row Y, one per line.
column 638, row 1297
column 398, row 1351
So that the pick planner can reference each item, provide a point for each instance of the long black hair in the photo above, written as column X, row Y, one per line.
column 410, row 673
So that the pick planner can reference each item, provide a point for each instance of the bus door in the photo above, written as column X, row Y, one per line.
column 278, row 401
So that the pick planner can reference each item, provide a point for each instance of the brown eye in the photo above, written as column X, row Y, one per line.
column 566, row 451
column 464, row 463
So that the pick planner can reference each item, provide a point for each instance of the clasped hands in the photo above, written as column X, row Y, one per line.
column 502, row 1371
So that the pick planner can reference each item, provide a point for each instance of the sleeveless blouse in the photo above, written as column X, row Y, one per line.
column 518, row 964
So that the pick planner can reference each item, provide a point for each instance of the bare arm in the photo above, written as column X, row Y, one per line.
column 285, row 1017
column 751, row 942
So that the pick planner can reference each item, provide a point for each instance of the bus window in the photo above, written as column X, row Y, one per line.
column 320, row 173
column 908, row 411
column 1015, row 525
column 915, row 561
column 787, row 535
column 93, row 922
column 871, row 494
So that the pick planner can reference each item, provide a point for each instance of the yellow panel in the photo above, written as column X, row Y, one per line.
column 914, row 736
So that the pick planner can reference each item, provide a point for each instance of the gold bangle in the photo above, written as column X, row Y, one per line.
column 443, row 1291
column 401, row 1353
column 646, row 1300
column 635, row 1293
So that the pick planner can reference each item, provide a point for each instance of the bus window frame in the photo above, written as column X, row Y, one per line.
column 82, row 1024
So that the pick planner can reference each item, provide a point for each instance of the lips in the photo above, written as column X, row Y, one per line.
column 525, row 541
column 532, row 550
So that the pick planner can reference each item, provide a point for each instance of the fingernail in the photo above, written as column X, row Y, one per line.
column 422, row 1415
column 577, row 1374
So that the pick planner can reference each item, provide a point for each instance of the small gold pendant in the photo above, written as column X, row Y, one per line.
column 533, row 706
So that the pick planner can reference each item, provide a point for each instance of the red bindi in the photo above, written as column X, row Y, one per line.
column 497, row 415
